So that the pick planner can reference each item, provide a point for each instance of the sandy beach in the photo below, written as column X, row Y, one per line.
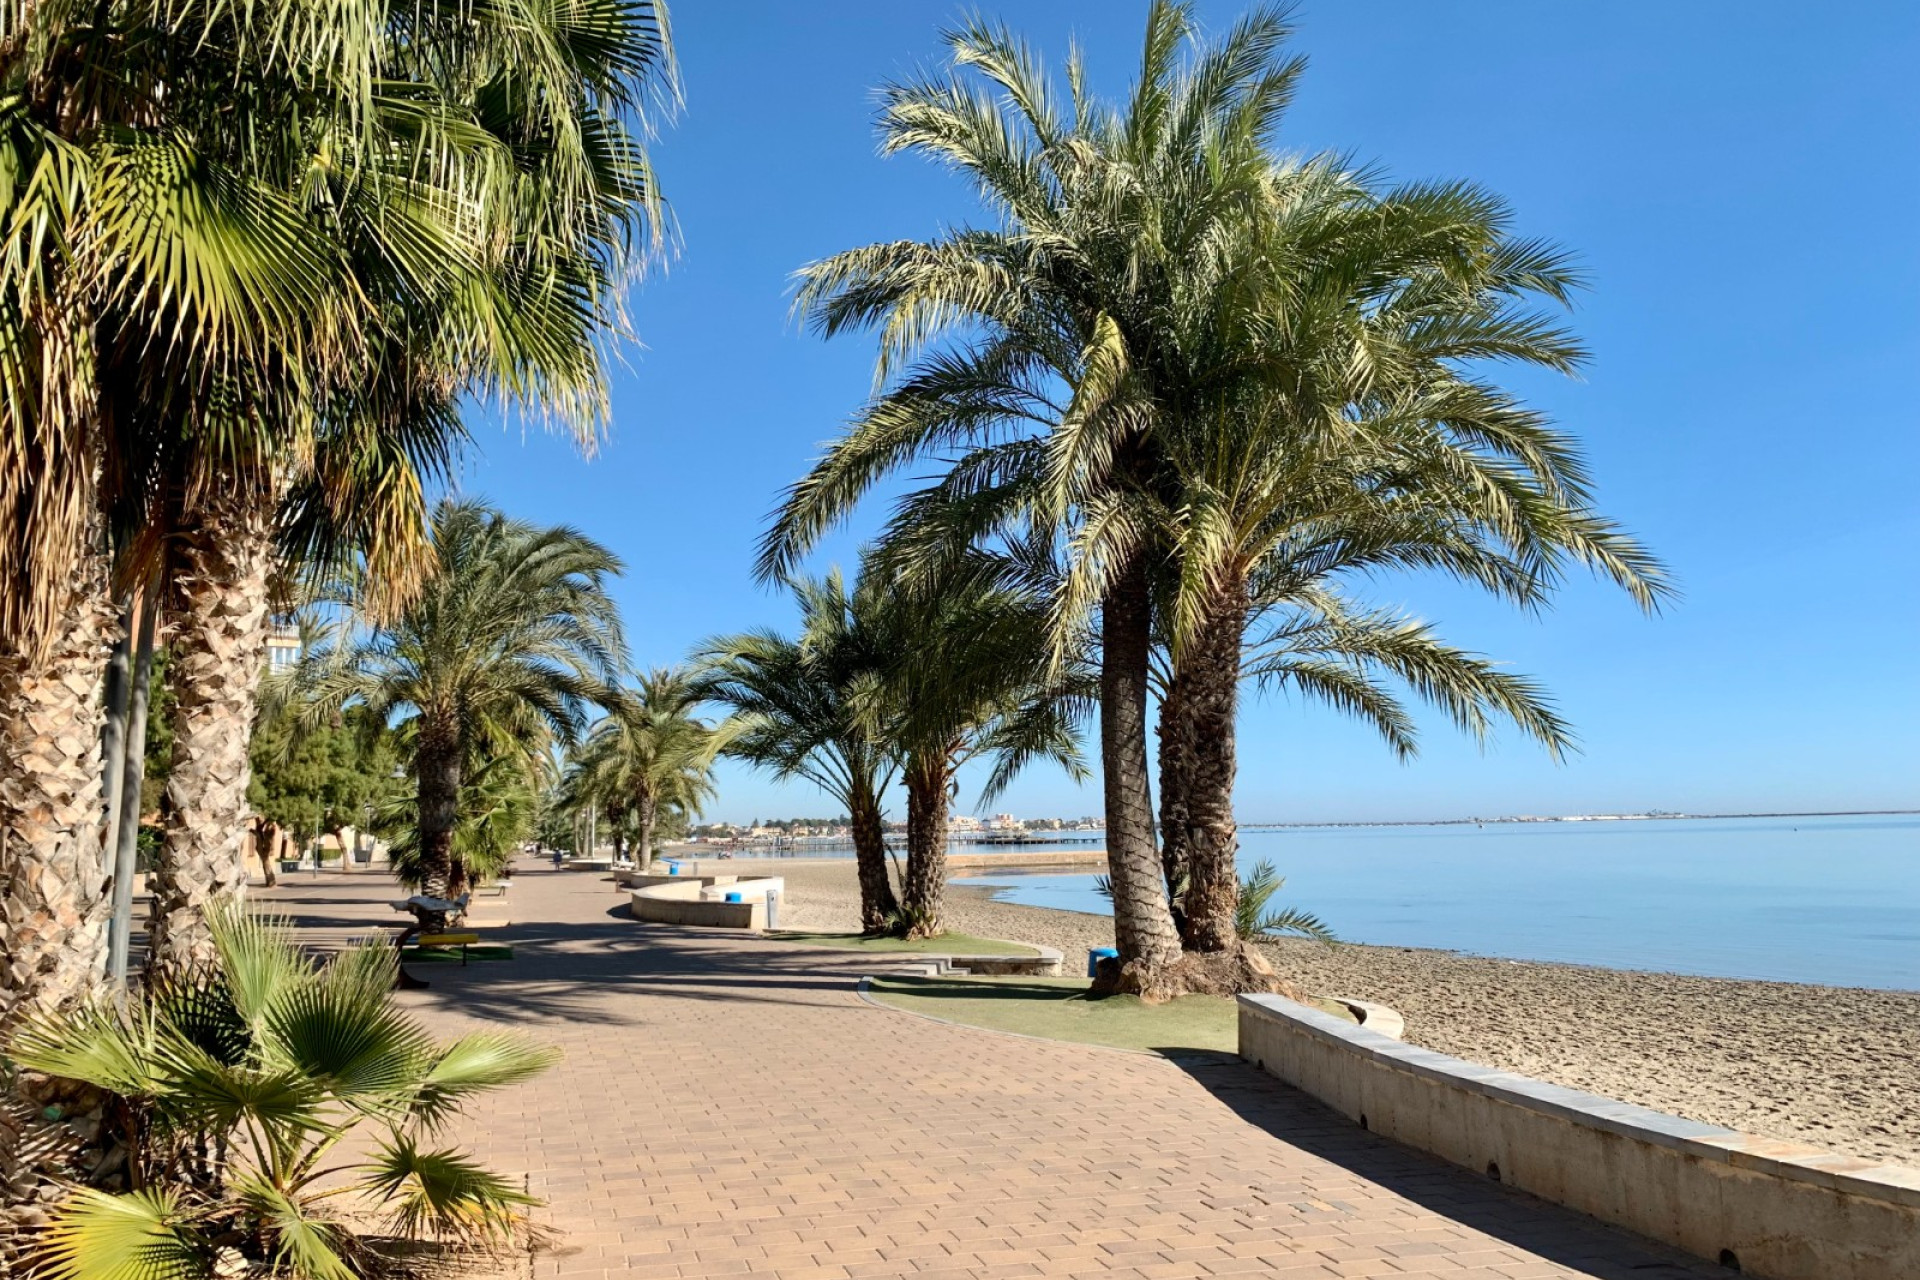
column 1826, row 1065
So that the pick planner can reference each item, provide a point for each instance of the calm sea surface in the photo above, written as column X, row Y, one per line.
column 1822, row 900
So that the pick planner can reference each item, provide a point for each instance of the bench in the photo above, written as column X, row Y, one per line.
column 460, row 940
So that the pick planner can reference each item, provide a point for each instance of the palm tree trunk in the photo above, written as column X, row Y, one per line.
column 649, row 818
column 1209, row 707
column 923, row 901
column 53, row 873
column 1143, row 929
column 1176, row 779
column 878, row 907
column 438, row 763
column 217, row 653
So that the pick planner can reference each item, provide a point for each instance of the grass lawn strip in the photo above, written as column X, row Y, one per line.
column 1060, row 1009
column 947, row 944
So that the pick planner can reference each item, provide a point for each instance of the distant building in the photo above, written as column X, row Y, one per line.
column 283, row 646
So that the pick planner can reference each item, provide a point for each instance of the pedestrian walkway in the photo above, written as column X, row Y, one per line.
column 729, row 1107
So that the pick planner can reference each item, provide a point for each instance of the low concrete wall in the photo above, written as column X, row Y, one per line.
column 691, row 900
column 1775, row 1209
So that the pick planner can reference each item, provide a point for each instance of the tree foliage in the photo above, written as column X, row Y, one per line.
column 315, row 781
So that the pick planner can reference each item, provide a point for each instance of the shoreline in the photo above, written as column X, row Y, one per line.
column 1830, row 1066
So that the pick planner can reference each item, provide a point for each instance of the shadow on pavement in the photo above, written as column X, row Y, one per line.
column 1570, row 1239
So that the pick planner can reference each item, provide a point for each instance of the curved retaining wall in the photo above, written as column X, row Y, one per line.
column 696, row 901
column 1776, row 1209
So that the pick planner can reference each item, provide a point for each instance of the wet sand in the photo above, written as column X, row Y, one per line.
column 1826, row 1065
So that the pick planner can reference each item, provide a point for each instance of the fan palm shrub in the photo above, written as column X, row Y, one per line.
column 514, row 630
column 237, row 1088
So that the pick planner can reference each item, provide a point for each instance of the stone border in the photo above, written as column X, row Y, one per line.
column 685, row 901
column 1039, row 962
column 1763, row 1206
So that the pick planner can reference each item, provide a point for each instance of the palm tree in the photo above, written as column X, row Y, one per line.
column 1351, row 428
column 239, row 314
column 514, row 630
column 520, row 318
column 650, row 755
column 969, row 677
column 500, row 793
column 805, row 708
column 1036, row 349
column 147, row 279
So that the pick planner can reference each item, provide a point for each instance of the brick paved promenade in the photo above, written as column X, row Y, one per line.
column 733, row 1108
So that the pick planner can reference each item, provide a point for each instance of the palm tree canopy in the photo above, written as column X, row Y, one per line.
column 515, row 625
column 275, row 242
column 803, row 708
column 1178, row 339
column 966, row 673
column 650, row 748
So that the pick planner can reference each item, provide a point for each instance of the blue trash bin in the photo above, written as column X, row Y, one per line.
column 734, row 897
column 1095, row 955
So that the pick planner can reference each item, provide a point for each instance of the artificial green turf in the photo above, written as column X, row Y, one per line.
column 440, row 955
column 947, row 944
column 1061, row 1009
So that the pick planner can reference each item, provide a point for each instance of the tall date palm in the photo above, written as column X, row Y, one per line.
column 1354, row 426
column 515, row 624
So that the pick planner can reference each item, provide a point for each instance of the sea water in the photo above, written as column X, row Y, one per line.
column 1833, row 901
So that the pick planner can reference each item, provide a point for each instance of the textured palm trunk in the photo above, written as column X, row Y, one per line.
column 217, row 654
column 438, row 763
column 53, row 869
column 649, row 819
column 1175, row 733
column 878, row 907
column 923, row 897
column 1143, row 928
column 1208, row 709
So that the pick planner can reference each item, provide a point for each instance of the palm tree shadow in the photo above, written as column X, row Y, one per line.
column 1586, row 1245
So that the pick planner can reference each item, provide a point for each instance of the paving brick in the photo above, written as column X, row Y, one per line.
column 730, row 1107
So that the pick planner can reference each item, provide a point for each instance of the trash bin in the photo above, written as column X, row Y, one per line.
column 1095, row 955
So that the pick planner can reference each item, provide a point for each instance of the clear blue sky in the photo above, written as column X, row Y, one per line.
column 1741, row 181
